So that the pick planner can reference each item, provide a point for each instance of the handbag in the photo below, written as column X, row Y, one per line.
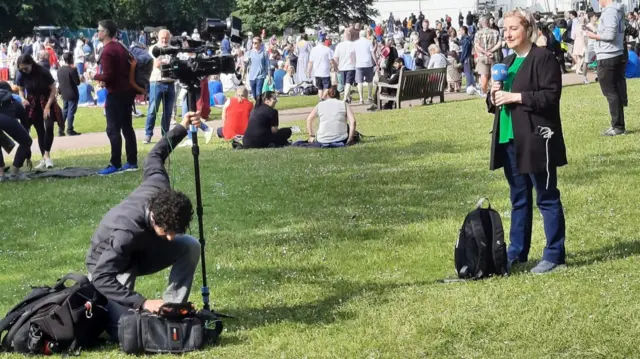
column 176, row 328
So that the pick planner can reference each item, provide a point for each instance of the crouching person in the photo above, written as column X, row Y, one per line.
column 143, row 235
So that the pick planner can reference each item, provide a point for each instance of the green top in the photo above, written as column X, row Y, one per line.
column 506, row 126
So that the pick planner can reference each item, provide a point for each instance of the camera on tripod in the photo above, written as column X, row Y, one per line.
column 200, row 59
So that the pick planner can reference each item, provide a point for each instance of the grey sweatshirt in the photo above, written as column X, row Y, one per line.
column 611, row 31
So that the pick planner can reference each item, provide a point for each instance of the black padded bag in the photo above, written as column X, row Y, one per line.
column 176, row 328
column 480, row 251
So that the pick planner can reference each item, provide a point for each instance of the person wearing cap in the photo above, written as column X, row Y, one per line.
column 320, row 63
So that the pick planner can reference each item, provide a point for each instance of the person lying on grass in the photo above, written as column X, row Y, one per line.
column 333, row 129
column 143, row 235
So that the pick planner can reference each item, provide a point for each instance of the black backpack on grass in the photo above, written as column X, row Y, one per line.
column 55, row 319
column 480, row 250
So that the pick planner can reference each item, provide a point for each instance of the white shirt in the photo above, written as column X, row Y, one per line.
column 78, row 55
column 321, row 57
column 346, row 56
column 363, row 54
column 156, row 74
column 333, row 121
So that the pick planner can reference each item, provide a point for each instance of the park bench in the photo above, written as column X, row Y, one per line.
column 414, row 85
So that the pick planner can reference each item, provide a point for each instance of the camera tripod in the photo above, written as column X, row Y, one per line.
column 192, row 92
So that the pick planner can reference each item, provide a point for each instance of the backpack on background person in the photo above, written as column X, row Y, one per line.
column 480, row 250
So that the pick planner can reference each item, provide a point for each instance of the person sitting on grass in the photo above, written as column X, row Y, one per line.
column 289, row 86
column 278, row 77
column 235, row 115
column 11, row 110
column 263, row 131
column 333, row 130
column 86, row 91
column 143, row 235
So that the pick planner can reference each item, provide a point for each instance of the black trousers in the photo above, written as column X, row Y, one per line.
column 17, row 131
column 281, row 138
column 120, row 123
column 614, row 88
column 44, row 129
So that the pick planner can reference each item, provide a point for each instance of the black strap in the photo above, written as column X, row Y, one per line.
column 478, row 233
column 76, row 277
column 498, row 254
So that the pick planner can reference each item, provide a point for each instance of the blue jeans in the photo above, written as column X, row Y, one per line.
column 256, row 88
column 80, row 67
column 185, row 109
column 548, row 200
column 69, row 113
column 468, row 73
column 165, row 93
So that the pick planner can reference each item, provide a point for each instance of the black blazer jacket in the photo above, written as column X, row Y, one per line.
column 539, row 80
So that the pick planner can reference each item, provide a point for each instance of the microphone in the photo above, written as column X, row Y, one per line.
column 499, row 73
column 159, row 51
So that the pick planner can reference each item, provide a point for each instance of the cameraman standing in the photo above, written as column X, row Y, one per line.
column 114, row 61
column 609, row 49
column 160, row 89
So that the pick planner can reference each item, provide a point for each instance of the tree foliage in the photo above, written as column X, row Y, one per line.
column 276, row 15
column 17, row 18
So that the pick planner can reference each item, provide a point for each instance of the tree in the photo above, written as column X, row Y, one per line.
column 17, row 18
column 276, row 15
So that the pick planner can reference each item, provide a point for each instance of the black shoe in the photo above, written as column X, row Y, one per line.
column 61, row 134
column 73, row 133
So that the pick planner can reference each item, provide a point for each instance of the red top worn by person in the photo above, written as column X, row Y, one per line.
column 114, row 62
column 235, row 114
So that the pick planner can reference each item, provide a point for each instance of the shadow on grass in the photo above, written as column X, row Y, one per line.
column 327, row 309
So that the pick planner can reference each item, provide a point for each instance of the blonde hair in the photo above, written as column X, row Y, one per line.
column 526, row 20
column 434, row 48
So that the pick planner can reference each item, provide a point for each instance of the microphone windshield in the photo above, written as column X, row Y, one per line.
column 499, row 72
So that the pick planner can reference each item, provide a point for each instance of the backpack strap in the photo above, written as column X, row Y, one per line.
column 76, row 277
column 499, row 247
column 4, row 326
column 481, row 241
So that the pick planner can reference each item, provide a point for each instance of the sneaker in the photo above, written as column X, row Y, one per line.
column 614, row 132
column 208, row 134
column 373, row 108
column 20, row 176
column 545, row 267
column 61, row 133
column 147, row 140
column 48, row 163
column 129, row 167
column 186, row 143
column 73, row 133
column 109, row 170
column 41, row 165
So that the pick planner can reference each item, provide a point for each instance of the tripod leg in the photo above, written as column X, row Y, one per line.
column 191, row 97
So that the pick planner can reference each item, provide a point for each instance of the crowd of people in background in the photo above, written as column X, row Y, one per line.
column 331, row 65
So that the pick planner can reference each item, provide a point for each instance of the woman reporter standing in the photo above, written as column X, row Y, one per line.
column 528, row 142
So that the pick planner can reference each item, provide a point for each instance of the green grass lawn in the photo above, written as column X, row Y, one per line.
column 339, row 253
column 92, row 119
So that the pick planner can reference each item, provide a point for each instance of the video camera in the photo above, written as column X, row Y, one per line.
column 202, row 60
